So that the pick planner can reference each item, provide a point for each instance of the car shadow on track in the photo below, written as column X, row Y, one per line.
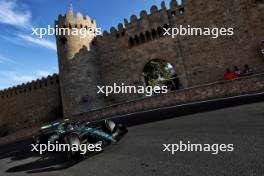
column 51, row 163
column 20, row 151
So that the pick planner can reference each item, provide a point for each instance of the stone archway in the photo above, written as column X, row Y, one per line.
column 159, row 72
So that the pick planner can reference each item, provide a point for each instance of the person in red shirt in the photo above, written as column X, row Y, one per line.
column 229, row 75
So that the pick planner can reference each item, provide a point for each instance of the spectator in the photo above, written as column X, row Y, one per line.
column 169, row 85
column 247, row 70
column 237, row 72
column 176, row 82
column 228, row 75
column 262, row 47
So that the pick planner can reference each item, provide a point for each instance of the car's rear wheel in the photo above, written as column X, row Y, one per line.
column 119, row 132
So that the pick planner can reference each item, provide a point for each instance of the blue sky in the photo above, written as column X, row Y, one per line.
column 24, row 57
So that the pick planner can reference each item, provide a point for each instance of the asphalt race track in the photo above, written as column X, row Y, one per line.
column 140, row 151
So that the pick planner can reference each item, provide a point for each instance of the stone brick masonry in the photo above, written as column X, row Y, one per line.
column 220, row 89
column 120, row 55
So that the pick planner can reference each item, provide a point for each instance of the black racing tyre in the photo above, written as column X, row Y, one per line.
column 73, row 140
column 120, row 132
column 122, row 129
column 110, row 126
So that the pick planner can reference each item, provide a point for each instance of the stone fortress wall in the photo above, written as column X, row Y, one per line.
column 120, row 55
column 30, row 104
column 221, row 89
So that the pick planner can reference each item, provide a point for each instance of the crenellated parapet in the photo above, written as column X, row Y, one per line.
column 30, row 86
column 147, row 24
column 149, row 35
column 69, row 20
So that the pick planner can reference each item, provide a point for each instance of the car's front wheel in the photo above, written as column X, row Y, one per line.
column 73, row 144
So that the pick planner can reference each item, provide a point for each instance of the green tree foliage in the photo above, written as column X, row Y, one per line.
column 155, row 71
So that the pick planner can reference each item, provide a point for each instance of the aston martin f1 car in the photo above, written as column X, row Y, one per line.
column 79, row 133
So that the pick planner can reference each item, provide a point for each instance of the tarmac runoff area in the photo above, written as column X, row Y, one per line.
column 140, row 152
